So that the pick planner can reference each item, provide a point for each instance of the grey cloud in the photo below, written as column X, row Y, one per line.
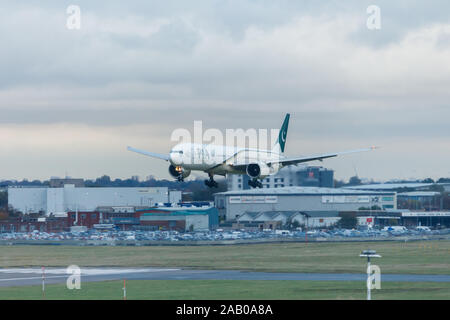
column 230, row 64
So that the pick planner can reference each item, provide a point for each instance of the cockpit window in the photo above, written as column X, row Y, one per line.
column 177, row 151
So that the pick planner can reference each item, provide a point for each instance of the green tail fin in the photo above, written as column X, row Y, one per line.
column 283, row 132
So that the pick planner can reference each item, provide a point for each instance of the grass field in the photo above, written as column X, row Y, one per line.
column 425, row 257
column 230, row 289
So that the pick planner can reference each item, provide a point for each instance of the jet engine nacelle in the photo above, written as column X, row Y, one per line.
column 177, row 172
column 258, row 170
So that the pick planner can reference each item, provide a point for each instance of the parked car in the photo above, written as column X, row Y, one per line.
column 423, row 229
column 395, row 228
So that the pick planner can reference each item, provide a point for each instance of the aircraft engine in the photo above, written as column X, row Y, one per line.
column 258, row 170
column 178, row 172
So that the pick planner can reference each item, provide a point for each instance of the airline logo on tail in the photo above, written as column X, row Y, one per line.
column 283, row 132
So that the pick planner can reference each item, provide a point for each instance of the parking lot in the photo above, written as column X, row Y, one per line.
column 174, row 236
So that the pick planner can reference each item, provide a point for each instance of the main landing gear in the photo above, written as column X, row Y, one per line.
column 254, row 183
column 211, row 183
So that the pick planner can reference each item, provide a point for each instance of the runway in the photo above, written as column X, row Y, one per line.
column 33, row 276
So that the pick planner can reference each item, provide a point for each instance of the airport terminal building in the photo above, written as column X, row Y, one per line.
column 232, row 204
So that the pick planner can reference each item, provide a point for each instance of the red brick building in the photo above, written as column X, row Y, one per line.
column 86, row 219
column 49, row 224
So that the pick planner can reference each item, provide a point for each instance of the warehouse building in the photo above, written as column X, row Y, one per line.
column 417, row 200
column 318, row 219
column 232, row 204
column 70, row 198
column 434, row 219
column 179, row 218
column 375, row 218
column 285, row 219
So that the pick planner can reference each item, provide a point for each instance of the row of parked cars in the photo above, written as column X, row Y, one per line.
column 375, row 232
column 219, row 234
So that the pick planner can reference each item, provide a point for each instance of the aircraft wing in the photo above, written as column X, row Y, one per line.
column 150, row 154
column 290, row 161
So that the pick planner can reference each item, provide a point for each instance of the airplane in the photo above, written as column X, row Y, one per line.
column 223, row 160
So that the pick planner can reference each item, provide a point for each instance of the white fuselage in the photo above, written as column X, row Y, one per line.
column 218, row 159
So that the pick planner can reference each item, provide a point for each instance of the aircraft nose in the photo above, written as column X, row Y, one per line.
column 175, row 158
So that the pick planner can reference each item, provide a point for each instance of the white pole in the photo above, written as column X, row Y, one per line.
column 124, row 290
column 369, row 254
column 43, row 282
column 369, row 282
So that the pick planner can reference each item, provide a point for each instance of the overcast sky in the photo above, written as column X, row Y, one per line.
column 72, row 100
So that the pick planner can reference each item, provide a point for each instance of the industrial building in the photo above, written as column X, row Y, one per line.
column 405, row 186
column 180, row 218
column 324, row 219
column 417, row 200
column 69, row 198
column 311, row 176
column 232, row 204
column 285, row 219
column 61, row 182
column 433, row 219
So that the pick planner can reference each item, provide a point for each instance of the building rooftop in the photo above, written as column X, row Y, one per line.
column 426, row 214
column 389, row 186
column 298, row 190
column 320, row 214
column 175, row 211
column 172, row 209
column 270, row 214
column 251, row 215
column 419, row 194
column 273, row 214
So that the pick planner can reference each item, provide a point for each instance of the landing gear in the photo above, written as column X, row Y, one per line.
column 255, row 183
column 180, row 179
column 211, row 183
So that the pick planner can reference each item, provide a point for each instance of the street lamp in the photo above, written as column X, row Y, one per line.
column 369, row 254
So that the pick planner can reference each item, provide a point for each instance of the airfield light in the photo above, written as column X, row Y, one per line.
column 369, row 254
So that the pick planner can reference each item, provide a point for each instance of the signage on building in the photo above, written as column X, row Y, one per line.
column 149, row 190
column 253, row 199
column 345, row 199
column 426, row 214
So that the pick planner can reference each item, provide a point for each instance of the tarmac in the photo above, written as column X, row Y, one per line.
column 10, row 277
